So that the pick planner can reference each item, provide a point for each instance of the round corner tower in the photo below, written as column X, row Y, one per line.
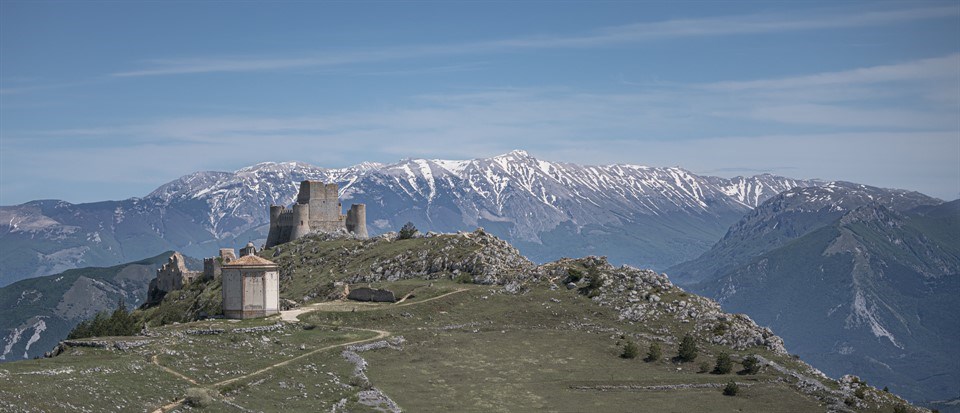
column 301, row 221
column 357, row 220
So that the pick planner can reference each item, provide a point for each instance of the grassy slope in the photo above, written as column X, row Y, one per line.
column 63, row 300
column 482, row 349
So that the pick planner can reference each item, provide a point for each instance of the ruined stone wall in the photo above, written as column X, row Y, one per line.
column 171, row 276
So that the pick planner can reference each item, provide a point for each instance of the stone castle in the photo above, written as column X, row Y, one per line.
column 317, row 209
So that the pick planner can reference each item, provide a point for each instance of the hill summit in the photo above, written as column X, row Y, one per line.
column 475, row 326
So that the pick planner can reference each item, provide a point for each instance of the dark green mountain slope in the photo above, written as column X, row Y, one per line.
column 874, row 293
column 788, row 216
column 37, row 313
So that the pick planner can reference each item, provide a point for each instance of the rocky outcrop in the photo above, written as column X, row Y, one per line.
column 476, row 257
column 490, row 260
column 643, row 295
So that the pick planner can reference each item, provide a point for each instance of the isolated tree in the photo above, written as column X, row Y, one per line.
column 751, row 365
column 731, row 389
column 654, row 353
column 407, row 231
column 688, row 349
column 630, row 350
column 724, row 364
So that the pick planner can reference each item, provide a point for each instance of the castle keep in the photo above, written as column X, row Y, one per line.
column 317, row 209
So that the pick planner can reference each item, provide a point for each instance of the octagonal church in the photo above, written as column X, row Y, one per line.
column 251, row 287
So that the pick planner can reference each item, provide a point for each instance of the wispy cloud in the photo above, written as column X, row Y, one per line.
column 933, row 69
column 609, row 36
column 431, row 70
column 871, row 136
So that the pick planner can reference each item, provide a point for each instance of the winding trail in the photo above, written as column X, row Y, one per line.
column 293, row 316
column 380, row 334
column 154, row 360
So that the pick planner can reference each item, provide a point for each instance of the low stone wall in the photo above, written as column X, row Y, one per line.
column 370, row 294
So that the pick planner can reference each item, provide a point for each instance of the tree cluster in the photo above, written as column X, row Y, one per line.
column 105, row 324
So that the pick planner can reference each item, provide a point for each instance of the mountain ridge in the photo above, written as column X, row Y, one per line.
column 650, row 216
column 866, row 286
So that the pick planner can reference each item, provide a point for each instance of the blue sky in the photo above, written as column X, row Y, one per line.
column 108, row 100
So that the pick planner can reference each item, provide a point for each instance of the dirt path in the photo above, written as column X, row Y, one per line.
column 169, row 406
column 154, row 360
column 433, row 298
column 380, row 334
column 292, row 316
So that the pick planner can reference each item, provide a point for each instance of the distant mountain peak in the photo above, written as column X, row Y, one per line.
column 538, row 203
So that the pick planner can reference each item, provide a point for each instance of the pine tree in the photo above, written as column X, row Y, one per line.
column 751, row 365
column 688, row 349
column 654, row 353
column 630, row 350
column 724, row 364
column 407, row 231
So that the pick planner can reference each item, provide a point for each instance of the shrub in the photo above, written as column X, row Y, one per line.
column 654, row 353
column 724, row 364
column 900, row 408
column 688, row 349
column 751, row 365
column 573, row 275
column 630, row 350
column 704, row 367
column 720, row 329
column 407, row 231
column 464, row 278
column 731, row 389
column 861, row 392
column 198, row 397
column 592, row 289
column 886, row 389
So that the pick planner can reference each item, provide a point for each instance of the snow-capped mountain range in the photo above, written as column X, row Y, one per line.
column 649, row 216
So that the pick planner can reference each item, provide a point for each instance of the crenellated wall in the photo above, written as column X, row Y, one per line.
column 318, row 209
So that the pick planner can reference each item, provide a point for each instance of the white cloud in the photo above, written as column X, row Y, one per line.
column 609, row 36
column 873, row 135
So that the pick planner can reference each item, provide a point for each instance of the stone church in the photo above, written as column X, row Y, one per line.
column 251, row 286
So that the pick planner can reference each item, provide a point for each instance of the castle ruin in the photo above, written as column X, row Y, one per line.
column 317, row 209
column 171, row 276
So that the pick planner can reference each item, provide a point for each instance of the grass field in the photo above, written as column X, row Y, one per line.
column 468, row 348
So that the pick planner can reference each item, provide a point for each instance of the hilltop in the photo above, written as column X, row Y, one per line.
column 479, row 328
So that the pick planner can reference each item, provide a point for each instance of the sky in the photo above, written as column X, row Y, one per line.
column 108, row 100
